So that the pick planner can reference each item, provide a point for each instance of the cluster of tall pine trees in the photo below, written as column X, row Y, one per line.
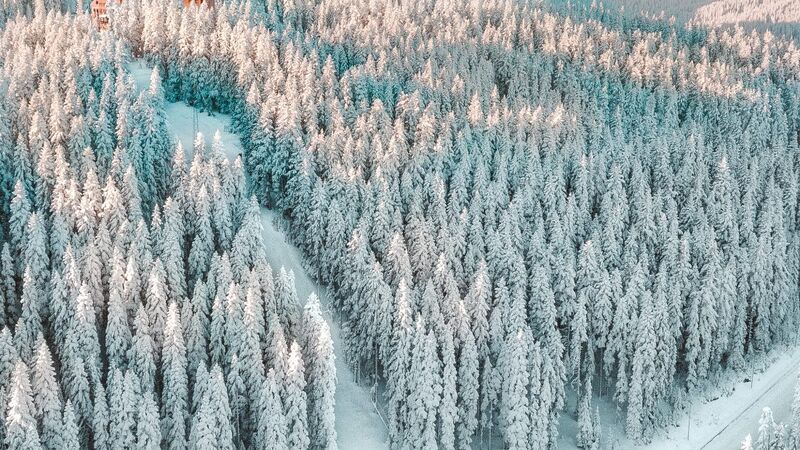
column 508, row 202
column 137, row 307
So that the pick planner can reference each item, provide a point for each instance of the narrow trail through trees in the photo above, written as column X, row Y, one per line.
column 357, row 423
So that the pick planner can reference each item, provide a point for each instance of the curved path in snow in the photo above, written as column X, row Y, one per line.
column 358, row 425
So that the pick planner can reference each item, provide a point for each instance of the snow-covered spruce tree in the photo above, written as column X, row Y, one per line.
column 321, row 370
column 399, row 362
column 175, row 383
column 141, row 357
column 100, row 419
column 769, row 432
column 295, row 401
column 448, row 412
column 29, row 325
column 148, row 429
column 425, row 389
column 747, row 443
column 47, row 396
column 69, row 430
column 20, row 423
column 515, row 415
column 121, row 411
column 643, row 373
column 272, row 430
column 117, row 334
column 468, row 371
column 217, row 402
column 588, row 426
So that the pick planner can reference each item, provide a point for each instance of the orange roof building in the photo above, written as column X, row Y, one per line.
column 99, row 14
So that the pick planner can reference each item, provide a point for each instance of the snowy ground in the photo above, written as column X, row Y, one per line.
column 358, row 426
column 720, row 423
column 740, row 412
column 725, row 12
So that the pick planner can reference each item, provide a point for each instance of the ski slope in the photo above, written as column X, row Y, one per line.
column 358, row 426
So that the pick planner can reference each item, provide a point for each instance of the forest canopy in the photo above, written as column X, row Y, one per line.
column 507, row 202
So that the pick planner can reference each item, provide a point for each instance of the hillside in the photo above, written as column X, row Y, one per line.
column 725, row 12
column 508, row 224
column 682, row 10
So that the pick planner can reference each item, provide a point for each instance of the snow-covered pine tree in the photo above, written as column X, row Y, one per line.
column 175, row 383
column 514, row 412
column 20, row 423
column 148, row 429
column 47, row 396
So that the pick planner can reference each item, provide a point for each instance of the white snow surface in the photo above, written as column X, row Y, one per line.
column 358, row 426
column 737, row 415
column 720, row 418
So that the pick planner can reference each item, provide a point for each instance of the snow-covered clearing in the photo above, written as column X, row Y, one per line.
column 357, row 424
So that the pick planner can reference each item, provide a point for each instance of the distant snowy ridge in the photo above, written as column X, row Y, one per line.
column 724, row 12
column 682, row 10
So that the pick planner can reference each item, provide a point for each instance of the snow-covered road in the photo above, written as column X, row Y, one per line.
column 357, row 424
column 776, row 391
column 719, row 424
column 722, row 423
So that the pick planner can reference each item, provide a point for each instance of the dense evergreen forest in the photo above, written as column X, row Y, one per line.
column 508, row 203
column 138, row 308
